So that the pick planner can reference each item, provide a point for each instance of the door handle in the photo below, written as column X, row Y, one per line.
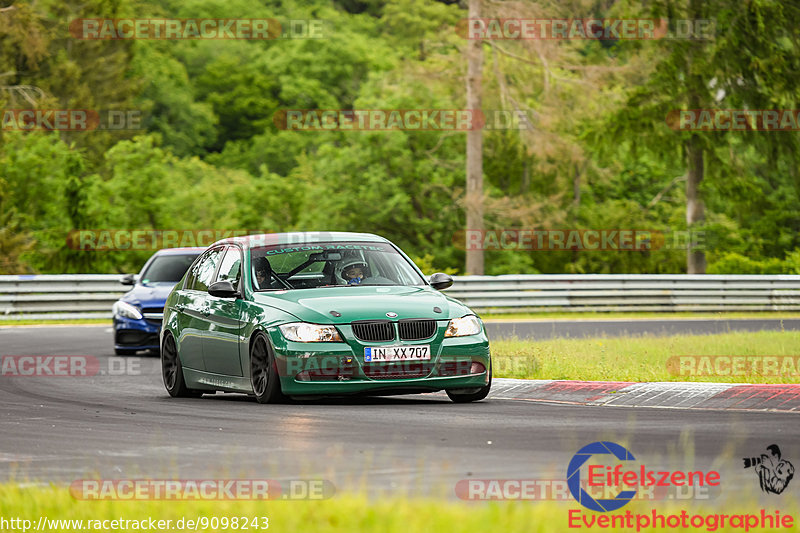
column 179, row 307
column 206, row 311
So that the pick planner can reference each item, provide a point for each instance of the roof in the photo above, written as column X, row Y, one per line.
column 180, row 251
column 301, row 237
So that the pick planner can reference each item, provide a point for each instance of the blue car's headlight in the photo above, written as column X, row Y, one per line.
column 303, row 332
column 466, row 325
column 126, row 310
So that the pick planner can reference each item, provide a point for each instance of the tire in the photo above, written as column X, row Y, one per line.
column 172, row 371
column 124, row 351
column 476, row 396
column 264, row 371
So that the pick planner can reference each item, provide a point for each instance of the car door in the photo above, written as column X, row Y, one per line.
column 193, row 309
column 221, row 341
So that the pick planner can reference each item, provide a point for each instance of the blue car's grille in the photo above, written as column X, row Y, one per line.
column 416, row 330
column 153, row 315
column 374, row 330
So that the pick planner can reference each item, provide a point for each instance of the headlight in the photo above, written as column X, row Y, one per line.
column 126, row 310
column 302, row 332
column 466, row 325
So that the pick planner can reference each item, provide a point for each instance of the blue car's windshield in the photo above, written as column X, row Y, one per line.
column 167, row 268
column 303, row 266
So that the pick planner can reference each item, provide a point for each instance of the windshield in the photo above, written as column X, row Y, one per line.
column 336, row 264
column 167, row 268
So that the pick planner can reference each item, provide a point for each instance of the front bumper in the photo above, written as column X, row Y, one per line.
column 322, row 368
column 130, row 334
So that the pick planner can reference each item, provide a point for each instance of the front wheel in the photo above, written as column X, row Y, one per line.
column 471, row 395
column 264, row 372
column 172, row 371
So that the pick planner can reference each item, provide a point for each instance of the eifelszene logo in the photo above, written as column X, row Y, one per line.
column 610, row 477
column 774, row 473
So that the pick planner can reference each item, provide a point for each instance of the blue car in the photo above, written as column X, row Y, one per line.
column 138, row 314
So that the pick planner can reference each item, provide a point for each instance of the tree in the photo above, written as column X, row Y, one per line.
column 474, row 197
column 752, row 62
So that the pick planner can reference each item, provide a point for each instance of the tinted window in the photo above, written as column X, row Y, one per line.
column 203, row 271
column 230, row 269
column 167, row 268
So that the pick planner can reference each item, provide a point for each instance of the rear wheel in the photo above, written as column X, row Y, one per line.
column 264, row 371
column 172, row 371
column 471, row 395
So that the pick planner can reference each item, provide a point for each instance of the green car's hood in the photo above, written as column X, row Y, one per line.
column 363, row 303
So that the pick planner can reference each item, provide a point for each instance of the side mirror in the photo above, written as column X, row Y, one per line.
column 223, row 289
column 440, row 281
column 128, row 279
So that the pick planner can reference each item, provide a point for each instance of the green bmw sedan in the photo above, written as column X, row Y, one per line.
column 313, row 314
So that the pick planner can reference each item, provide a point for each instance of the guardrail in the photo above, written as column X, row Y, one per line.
column 91, row 296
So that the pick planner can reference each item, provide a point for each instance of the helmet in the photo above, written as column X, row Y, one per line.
column 354, row 263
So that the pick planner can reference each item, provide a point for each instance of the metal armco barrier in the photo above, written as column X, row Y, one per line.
column 91, row 296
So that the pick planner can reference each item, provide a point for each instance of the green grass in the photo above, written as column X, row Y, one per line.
column 632, row 315
column 346, row 512
column 94, row 321
column 637, row 358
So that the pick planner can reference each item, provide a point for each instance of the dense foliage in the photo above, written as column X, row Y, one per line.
column 598, row 153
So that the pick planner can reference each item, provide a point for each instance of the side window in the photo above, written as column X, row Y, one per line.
column 230, row 269
column 192, row 274
column 203, row 272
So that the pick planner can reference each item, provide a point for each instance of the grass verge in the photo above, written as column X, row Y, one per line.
column 644, row 358
column 93, row 321
column 632, row 316
column 345, row 513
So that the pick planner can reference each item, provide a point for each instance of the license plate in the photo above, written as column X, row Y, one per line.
column 397, row 353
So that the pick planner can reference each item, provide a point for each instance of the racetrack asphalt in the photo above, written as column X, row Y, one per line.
column 122, row 424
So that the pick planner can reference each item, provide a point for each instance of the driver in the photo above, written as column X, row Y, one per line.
column 262, row 269
column 354, row 271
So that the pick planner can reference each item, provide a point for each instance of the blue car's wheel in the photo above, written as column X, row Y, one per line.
column 172, row 371
column 264, row 371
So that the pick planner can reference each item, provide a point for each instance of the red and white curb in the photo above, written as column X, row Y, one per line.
column 674, row 395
